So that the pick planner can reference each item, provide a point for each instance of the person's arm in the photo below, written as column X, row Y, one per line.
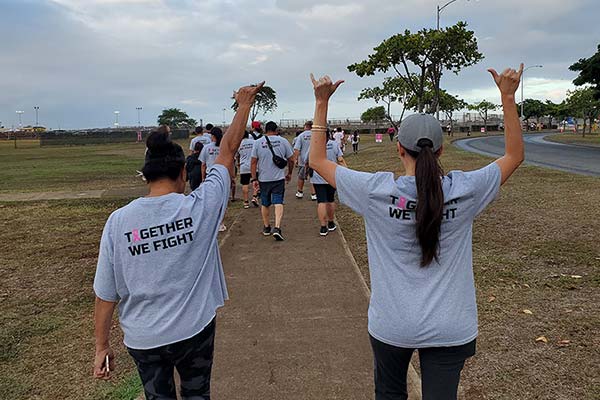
column 103, row 312
column 253, row 174
column 514, row 152
column 203, row 167
column 323, row 88
column 342, row 162
column 291, row 164
column 235, row 133
column 296, row 156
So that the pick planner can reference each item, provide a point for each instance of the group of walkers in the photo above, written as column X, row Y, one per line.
column 259, row 151
column 159, row 257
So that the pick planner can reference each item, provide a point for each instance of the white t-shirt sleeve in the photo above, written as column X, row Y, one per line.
column 254, row 153
column 214, row 191
column 353, row 188
column 105, row 285
column 485, row 183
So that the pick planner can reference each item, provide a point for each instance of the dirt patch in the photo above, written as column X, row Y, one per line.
column 536, row 249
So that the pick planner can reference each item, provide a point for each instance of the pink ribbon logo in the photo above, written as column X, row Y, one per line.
column 136, row 235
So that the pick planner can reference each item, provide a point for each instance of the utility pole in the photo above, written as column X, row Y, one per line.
column 117, row 118
column 522, row 90
column 139, row 110
column 37, row 110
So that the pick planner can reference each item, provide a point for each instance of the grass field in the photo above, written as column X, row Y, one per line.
column 536, row 248
column 570, row 138
column 49, row 251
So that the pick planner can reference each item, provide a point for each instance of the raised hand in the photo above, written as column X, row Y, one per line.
column 324, row 87
column 246, row 95
column 508, row 82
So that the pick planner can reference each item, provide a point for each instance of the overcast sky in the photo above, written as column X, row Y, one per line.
column 80, row 60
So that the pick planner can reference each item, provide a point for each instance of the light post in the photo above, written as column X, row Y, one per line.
column 117, row 118
column 523, row 84
column 224, row 109
column 139, row 110
column 37, row 120
column 20, row 113
column 282, row 117
column 439, row 10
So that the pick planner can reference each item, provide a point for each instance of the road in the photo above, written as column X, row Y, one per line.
column 565, row 157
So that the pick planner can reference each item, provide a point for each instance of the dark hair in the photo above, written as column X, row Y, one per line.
column 339, row 129
column 209, row 127
column 308, row 123
column 218, row 134
column 164, row 159
column 198, row 147
column 329, row 134
column 430, row 196
column 355, row 134
column 198, row 129
column 246, row 134
column 271, row 127
column 298, row 133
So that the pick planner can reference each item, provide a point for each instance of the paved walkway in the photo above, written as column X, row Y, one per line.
column 296, row 324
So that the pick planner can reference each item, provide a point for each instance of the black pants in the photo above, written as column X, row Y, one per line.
column 440, row 370
column 355, row 147
column 193, row 359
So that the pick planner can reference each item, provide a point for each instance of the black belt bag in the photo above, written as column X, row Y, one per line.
column 279, row 162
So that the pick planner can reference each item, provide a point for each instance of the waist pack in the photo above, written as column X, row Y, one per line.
column 279, row 162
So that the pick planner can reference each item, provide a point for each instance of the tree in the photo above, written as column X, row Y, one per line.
column 265, row 102
column 552, row 112
column 374, row 114
column 589, row 72
column 533, row 109
column 422, row 56
column 449, row 104
column 393, row 90
column 483, row 108
column 583, row 104
column 176, row 118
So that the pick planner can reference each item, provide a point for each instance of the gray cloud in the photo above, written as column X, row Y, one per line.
column 81, row 60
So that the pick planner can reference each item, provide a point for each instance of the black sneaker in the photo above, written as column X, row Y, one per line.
column 331, row 226
column 267, row 231
column 324, row 231
column 277, row 234
column 255, row 201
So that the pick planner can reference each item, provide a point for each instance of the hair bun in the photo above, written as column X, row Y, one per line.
column 159, row 142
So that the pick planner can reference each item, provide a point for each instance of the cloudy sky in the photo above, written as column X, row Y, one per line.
column 80, row 60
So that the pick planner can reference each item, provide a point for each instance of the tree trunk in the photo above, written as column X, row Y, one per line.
column 402, row 115
column 421, row 89
column 584, row 125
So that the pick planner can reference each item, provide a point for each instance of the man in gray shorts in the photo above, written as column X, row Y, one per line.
column 301, row 149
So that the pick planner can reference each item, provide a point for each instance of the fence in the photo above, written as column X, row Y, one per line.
column 79, row 138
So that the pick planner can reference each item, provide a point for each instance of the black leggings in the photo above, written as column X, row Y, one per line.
column 355, row 147
column 193, row 359
column 440, row 370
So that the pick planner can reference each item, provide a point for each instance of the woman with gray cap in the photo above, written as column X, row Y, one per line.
column 419, row 234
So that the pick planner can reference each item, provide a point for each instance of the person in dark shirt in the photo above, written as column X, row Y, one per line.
column 193, row 167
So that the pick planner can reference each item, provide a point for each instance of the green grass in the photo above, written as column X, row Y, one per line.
column 31, row 168
column 128, row 389
column 570, row 138
column 527, row 246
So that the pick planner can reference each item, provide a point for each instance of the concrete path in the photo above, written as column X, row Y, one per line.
column 565, row 157
column 296, row 324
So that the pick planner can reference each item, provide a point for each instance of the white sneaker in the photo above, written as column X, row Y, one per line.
column 222, row 228
column 313, row 197
column 299, row 195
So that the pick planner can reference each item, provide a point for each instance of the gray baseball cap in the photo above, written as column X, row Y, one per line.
column 417, row 127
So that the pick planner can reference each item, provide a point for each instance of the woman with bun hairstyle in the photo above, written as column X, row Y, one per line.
column 159, row 262
column 419, row 240
column 211, row 151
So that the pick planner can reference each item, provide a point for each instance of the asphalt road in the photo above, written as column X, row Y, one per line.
column 570, row 158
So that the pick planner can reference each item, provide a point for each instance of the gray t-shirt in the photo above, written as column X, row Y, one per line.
column 333, row 153
column 269, row 172
column 411, row 306
column 204, row 139
column 303, row 146
column 159, row 258
column 209, row 155
column 245, row 153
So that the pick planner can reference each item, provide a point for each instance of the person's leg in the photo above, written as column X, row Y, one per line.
column 278, row 215
column 441, row 368
column 301, row 178
column 156, row 373
column 322, row 213
column 194, row 364
column 391, row 367
column 330, row 212
column 265, row 212
column 233, row 187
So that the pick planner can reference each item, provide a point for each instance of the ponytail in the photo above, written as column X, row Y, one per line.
column 430, row 204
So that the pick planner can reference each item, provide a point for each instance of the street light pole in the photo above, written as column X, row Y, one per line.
column 523, row 84
column 139, row 110
column 20, row 113
column 439, row 10
column 117, row 118
column 224, row 109
column 37, row 121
